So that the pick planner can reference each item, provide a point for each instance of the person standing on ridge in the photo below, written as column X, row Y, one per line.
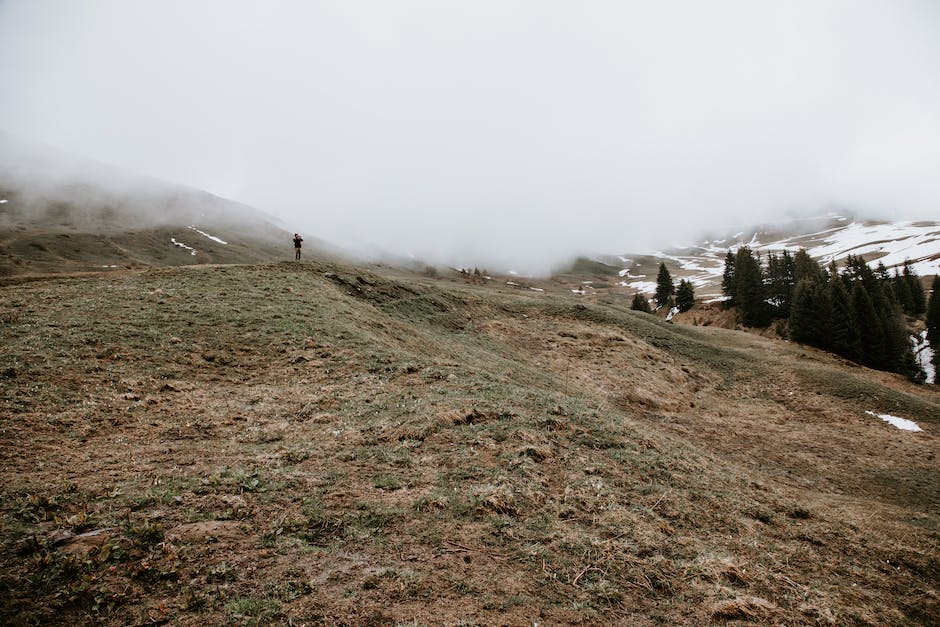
column 297, row 242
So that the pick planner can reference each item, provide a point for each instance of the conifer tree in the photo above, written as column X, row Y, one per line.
column 808, row 317
column 897, row 346
column 856, row 270
column 749, row 289
column 664, row 287
column 881, row 272
column 916, row 289
column 805, row 267
column 780, row 282
column 933, row 315
column 727, row 280
column 640, row 303
column 844, row 334
column 902, row 290
column 685, row 295
column 933, row 324
column 870, row 330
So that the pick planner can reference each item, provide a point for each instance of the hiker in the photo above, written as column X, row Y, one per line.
column 297, row 241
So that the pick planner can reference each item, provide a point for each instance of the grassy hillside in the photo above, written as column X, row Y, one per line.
column 312, row 443
column 101, row 232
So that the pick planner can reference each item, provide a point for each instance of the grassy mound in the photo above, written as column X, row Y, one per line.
column 317, row 443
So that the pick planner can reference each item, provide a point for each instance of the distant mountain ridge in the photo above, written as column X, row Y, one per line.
column 65, row 214
column 827, row 238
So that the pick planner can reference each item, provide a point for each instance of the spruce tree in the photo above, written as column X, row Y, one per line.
column 640, row 303
column 933, row 324
column 870, row 330
column 811, row 314
column 685, row 295
column 844, row 334
column 902, row 290
column 897, row 345
column 803, row 316
column 805, row 267
column 664, row 287
column 727, row 280
column 749, row 289
column 780, row 282
column 916, row 289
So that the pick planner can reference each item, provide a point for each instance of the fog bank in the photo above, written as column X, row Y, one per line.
column 494, row 133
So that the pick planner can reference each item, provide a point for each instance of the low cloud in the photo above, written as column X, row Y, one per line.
column 512, row 133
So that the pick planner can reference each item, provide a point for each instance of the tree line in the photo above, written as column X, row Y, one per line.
column 856, row 312
column 667, row 294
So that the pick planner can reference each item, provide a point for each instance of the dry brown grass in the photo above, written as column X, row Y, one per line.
column 323, row 444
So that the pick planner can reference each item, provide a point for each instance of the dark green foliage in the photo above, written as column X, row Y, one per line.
column 856, row 314
column 805, row 267
column 870, row 330
column 749, row 289
column 902, row 291
column 933, row 322
column 640, row 303
column 919, row 301
column 727, row 280
column 811, row 313
column 780, row 282
column 844, row 333
column 664, row 287
column 685, row 295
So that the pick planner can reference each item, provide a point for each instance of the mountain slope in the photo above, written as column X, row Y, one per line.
column 63, row 214
column 826, row 239
column 328, row 444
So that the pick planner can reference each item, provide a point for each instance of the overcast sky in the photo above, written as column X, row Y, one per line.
column 517, row 132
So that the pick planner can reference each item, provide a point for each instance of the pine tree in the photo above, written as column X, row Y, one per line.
column 844, row 334
column 664, row 287
column 804, row 324
column 811, row 314
column 749, row 289
column 727, row 280
column 685, row 295
column 897, row 346
column 780, row 282
column 870, row 330
column 916, row 289
column 805, row 267
column 933, row 323
column 640, row 303
column 881, row 272
column 856, row 270
column 902, row 290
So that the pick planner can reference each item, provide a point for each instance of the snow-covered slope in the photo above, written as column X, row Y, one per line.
column 834, row 238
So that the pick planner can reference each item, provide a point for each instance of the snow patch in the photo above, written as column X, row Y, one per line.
column 900, row 423
column 182, row 245
column 894, row 242
column 206, row 235
column 4, row 201
column 924, row 353
column 640, row 286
